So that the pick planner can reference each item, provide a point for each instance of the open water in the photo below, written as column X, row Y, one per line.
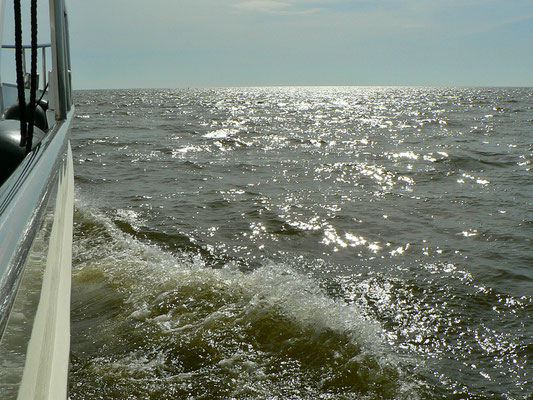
column 303, row 243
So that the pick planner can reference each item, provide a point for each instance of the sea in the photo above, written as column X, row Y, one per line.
column 303, row 243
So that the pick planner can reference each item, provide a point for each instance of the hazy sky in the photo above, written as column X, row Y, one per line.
column 197, row 43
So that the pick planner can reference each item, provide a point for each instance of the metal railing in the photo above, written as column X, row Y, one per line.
column 43, row 47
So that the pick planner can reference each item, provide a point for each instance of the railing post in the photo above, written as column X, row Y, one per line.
column 44, row 67
column 57, row 27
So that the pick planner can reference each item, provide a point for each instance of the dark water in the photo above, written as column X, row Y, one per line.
column 303, row 243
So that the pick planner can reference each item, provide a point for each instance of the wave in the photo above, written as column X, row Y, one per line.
column 477, row 161
column 151, row 323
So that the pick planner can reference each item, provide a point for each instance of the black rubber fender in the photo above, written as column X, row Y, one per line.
column 11, row 153
column 40, row 121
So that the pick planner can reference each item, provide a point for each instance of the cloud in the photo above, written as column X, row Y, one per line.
column 510, row 21
column 268, row 6
column 289, row 7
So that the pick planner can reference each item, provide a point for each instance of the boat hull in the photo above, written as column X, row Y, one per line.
column 41, row 188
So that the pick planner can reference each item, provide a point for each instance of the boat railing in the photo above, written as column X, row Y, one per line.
column 43, row 47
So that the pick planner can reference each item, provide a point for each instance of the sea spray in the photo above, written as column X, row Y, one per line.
column 173, row 325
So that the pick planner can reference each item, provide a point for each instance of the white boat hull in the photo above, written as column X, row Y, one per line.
column 46, row 369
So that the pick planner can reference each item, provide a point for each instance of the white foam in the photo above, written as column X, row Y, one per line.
column 153, row 283
column 147, row 271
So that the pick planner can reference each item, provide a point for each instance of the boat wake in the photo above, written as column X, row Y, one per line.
column 147, row 322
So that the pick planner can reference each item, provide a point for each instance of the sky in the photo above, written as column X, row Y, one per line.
column 204, row 43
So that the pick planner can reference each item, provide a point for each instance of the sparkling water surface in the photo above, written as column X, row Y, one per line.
column 302, row 243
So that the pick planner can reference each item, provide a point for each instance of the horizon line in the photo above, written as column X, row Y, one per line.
column 313, row 86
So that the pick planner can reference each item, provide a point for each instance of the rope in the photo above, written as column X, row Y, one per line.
column 33, row 84
column 20, row 72
column 26, row 120
column 42, row 95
